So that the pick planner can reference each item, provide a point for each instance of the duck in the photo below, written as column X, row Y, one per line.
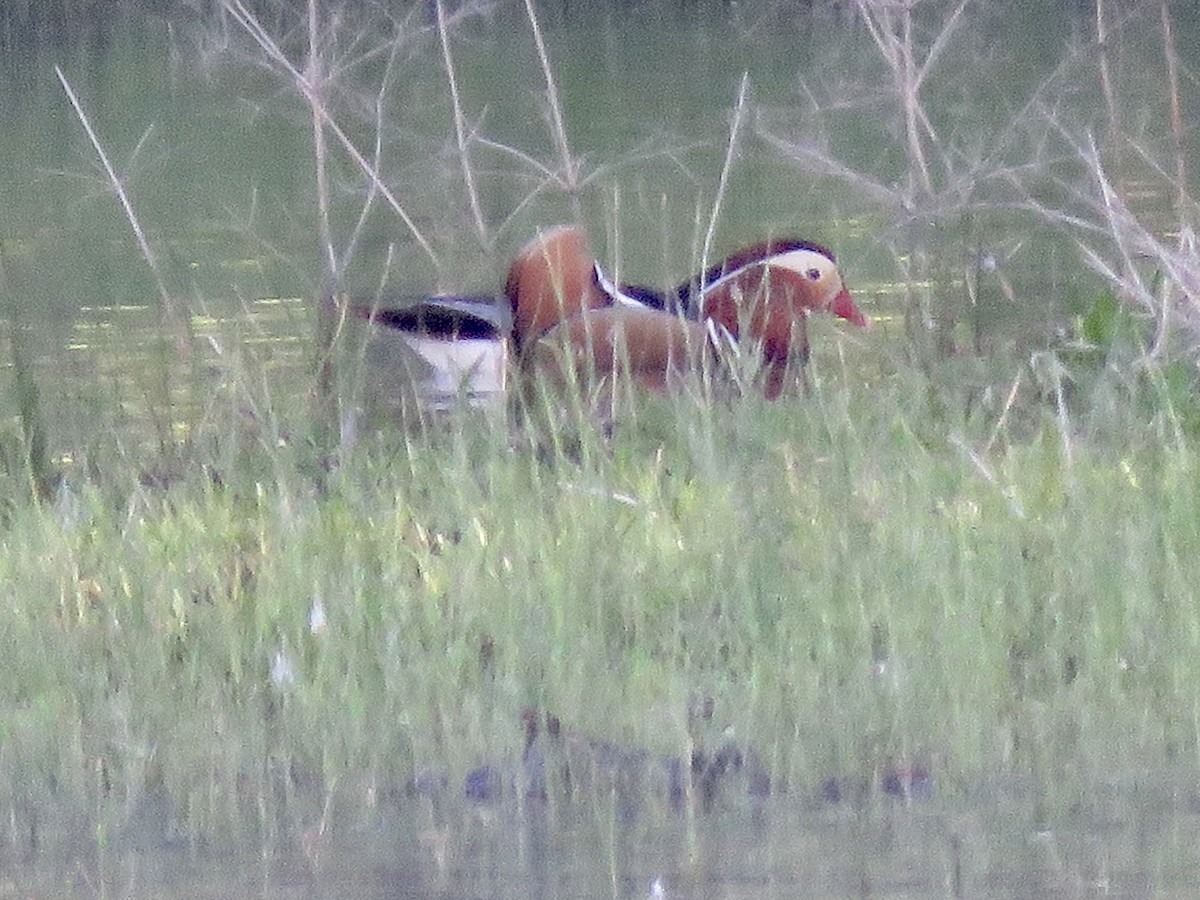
column 564, row 308
column 561, row 315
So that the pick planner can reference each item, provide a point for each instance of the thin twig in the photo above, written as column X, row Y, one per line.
column 275, row 54
column 910, row 95
column 1106, row 81
column 558, row 128
column 460, row 130
column 735, row 128
column 822, row 163
column 314, row 75
column 169, row 305
column 940, row 43
column 377, row 152
column 542, row 169
column 1169, row 51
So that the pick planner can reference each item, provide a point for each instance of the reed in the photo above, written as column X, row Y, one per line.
column 175, row 318
column 460, row 128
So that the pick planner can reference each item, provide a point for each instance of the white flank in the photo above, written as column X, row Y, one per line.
column 402, row 368
column 472, row 366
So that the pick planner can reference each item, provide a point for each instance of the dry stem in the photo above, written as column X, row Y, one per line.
column 168, row 302
column 314, row 75
column 558, row 128
column 460, row 130
column 1172, row 57
column 735, row 128
column 247, row 20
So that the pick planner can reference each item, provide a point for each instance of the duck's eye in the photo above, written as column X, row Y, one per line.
column 813, row 274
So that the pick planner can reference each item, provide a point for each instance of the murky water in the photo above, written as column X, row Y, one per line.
column 1131, row 839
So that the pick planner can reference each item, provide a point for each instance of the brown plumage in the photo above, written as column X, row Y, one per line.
column 565, row 312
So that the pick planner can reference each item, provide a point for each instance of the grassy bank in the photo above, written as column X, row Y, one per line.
column 850, row 577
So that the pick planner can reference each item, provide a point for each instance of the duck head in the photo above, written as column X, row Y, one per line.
column 770, row 287
column 767, row 292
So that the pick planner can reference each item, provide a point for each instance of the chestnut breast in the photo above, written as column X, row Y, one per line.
column 652, row 344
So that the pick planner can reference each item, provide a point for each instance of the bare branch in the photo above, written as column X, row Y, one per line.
column 168, row 302
column 735, row 127
column 460, row 127
column 309, row 91
column 558, row 128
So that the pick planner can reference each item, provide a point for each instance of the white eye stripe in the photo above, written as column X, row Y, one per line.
column 803, row 262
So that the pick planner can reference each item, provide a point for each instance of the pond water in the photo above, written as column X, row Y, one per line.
column 1133, row 838
column 214, row 150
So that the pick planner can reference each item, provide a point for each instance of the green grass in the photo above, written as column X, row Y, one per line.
column 846, row 584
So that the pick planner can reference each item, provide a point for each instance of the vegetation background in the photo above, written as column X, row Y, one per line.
column 237, row 613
